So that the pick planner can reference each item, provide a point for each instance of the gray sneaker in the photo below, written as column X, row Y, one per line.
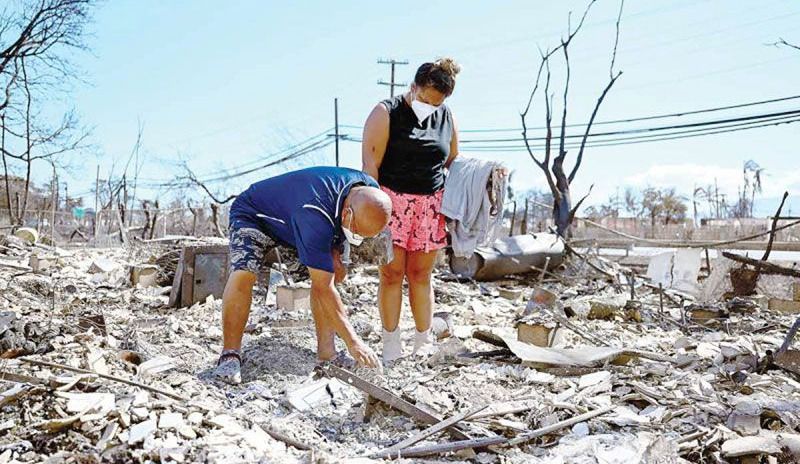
column 229, row 367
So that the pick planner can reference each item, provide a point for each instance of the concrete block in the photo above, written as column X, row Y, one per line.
column 293, row 298
column 144, row 275
column 27, row 234
column 706, row 315
column 603, row 310
column 41, row 264
column 102, row 266
column 784, row 306
column 537, row 332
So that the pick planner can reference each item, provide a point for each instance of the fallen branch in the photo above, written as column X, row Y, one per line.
column 667, row 243
column 20, row 378
column 288, row 440
column 451, row 446
column 559, row 425
column 35, row 362
column 395, row 450
column 765, row 266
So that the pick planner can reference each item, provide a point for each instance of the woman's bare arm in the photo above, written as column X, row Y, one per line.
column 376, row 136
column 453, row 145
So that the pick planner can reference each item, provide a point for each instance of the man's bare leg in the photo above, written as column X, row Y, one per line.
column 236, row 301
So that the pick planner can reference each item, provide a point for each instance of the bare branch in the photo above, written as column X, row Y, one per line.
column 524, row 114
column 548, row 103
column 577, row 206
column 616, row 41
column 612, row 80
column 193, row 179
column 783, row 43
column 561, row 151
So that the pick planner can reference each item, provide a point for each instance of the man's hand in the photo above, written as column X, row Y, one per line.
column 364, row 355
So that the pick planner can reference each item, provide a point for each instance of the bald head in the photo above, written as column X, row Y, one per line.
column 372, row 209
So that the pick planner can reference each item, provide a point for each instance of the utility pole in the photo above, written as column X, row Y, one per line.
column 336, row 127
column 96, row 199
column 391, row 82
column 53, row 206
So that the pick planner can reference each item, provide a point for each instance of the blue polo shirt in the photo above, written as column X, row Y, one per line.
column 302, row 209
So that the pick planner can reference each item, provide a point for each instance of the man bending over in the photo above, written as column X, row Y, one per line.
column 315, row 211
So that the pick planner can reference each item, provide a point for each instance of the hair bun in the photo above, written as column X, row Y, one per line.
column 448, row 65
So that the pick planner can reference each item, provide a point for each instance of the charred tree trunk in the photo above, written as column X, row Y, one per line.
column 154, row 220
column 553, row 167
column 146, row 208
column 215, row 219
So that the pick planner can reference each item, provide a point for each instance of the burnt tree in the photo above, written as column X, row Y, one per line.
column 36, row 37
column 553, row 166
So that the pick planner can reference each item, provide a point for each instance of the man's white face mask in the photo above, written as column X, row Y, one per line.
column 421, row 109
column 352, row 238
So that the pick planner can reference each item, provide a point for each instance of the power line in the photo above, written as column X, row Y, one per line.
column 646, row 139
column 313, row 147
column 642, row 138
column 649, row 129
column 263, row 158
column 627, row 120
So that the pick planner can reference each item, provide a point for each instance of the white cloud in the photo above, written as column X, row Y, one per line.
column 684, row 177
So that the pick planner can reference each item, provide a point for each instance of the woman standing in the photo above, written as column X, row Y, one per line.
column 408, row 142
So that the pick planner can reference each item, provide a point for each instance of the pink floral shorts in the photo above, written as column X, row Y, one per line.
column 417, row 224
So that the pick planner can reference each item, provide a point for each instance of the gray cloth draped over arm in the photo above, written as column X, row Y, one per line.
column 475, row 216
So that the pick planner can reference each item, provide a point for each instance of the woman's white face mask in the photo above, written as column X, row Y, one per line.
column 421, row 109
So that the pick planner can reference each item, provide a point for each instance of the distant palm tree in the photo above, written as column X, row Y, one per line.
column 752, row 173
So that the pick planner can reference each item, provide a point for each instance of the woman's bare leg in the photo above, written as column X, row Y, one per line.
column 419, row 266
column 390, row 292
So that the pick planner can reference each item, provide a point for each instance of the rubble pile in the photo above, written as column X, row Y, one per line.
column 579, row 365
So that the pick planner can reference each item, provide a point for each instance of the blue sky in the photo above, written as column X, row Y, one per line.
column 219, row 84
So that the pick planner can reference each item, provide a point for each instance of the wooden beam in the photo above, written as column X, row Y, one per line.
column 766, row 267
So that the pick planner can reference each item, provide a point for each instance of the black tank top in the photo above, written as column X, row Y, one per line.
column 415, row 153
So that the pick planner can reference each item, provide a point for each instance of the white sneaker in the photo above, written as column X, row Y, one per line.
column 423, row 343
column 392, row 345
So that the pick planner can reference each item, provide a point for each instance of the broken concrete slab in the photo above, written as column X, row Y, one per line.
column 293, row 298
column 101, row 403
column 442, row 325
column 27, row 234
column 171, row 420
column 155, row 366
column 144, row 275
column 595, row 378
column 538, row 330
column 139, row 432
column 676, row 269
column 784, row 306
column 750, row 446
column 42, row 263
column 314, row 393
column 102, row 266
